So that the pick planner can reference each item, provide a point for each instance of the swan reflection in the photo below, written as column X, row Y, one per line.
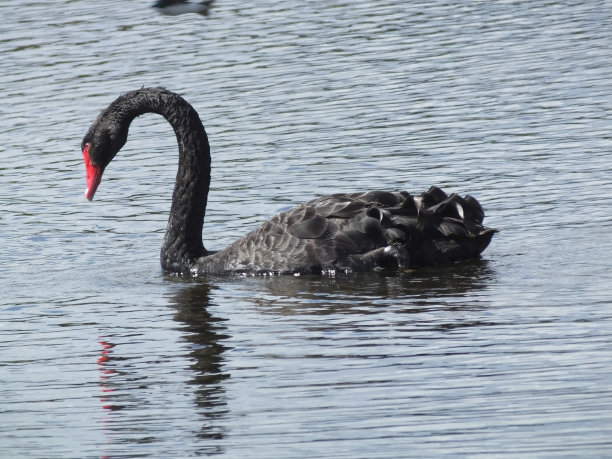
column 205, row 334
column 153, row 381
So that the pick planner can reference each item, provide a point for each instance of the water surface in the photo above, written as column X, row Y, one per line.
column 101, row 355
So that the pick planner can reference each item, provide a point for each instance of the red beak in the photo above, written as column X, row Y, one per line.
column 94, row 174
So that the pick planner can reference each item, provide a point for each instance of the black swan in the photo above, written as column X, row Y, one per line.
column 340, row 232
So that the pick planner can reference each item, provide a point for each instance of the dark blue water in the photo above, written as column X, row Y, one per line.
column 101, row 355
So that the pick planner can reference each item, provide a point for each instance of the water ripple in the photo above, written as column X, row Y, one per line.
column 508, row 356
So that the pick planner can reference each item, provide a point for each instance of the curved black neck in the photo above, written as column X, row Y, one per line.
column 183, row 240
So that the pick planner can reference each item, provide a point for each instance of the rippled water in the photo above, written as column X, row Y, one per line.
column 101, row 355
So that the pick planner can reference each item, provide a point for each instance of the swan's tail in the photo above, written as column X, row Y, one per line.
column 380, row 229
column 446, row 228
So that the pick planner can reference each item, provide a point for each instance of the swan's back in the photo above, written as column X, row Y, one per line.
column 360, row 232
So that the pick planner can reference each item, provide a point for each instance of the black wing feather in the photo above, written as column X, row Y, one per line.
column 362, row 231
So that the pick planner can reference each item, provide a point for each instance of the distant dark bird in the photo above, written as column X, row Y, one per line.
column 341, row 232
column 176, row 7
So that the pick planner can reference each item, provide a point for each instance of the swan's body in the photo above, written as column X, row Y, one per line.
column 340, row 232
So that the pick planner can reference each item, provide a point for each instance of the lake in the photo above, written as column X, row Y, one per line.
column 101, row 355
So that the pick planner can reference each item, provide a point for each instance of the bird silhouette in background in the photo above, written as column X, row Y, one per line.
column 176, row 7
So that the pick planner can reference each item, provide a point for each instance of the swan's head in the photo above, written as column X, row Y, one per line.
column 102, row 142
